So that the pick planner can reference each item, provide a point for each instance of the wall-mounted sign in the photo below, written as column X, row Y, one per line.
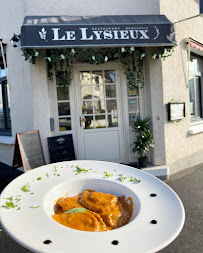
column 176, row 111
column 132, row 104
column 132, row 91
column 66, row 31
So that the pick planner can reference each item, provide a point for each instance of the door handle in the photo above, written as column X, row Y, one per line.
column 81, row 121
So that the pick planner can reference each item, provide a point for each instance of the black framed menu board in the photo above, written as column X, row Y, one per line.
column 61, row 148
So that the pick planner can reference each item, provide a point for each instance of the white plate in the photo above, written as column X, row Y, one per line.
column 32, row 224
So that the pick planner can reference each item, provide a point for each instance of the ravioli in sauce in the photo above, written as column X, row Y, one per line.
column 99, row 211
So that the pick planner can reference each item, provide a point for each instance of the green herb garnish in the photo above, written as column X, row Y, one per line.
column 80, row 170
column 134, row 179
column 10, row 198
column 122, row 178
column 9, row 205
column 47, row 175
column 107, row 174
column 12, row 203
column 33, row 206
column 25, row 188
column 77, row 210
column 39, row 178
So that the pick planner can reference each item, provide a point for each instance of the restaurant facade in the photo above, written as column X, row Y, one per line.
column 89, row 70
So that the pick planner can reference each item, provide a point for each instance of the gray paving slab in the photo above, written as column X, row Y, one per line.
column 189, row 186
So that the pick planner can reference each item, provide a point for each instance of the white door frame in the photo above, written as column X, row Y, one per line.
column 80, row 140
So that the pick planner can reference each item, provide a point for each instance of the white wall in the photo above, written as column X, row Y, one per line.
column 154, row 106
column 182, row 150
column 40, row 100
column 11, row 18
column 92, row 7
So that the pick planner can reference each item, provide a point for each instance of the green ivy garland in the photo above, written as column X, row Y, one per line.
column 60, row 61
column 163, row 53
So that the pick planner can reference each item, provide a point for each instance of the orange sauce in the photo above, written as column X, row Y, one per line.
column 103, row 212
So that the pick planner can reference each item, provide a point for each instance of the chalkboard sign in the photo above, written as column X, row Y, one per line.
column 28, row 151
column 61, row 148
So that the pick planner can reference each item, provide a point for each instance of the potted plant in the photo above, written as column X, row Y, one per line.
column 144, row 140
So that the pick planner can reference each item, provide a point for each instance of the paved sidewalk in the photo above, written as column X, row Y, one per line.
column 189, row 186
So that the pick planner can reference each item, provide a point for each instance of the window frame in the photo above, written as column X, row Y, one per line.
column 197, row 75
column 6, row 131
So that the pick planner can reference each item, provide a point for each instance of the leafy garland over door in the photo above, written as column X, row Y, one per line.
column 60, row 61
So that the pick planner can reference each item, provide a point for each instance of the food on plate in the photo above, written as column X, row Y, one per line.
column 93, row 211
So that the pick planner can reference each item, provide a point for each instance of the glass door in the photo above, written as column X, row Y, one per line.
column 99, row 113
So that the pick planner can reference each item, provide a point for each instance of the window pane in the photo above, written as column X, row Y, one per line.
column 65, row 124
column 196, row 64
column 99, row 106
column 111, row 105
column 9, row 120
column 133, row 104
column 85, row 77
column 2, row 72
column 100, row 121
column 112, row 120
column 109, row 76
column 64, row 108
column 192, row 96
column 8, row 106
column 193, row 64
column 86, row 92
column 98, row 91
column 198, row 97
column 89, row 122
column 63, row 93
column 97, row 77
column 2, row 124
column 110, row 91
column 87, row 107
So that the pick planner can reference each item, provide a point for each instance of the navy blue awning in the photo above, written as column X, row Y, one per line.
column 96, row 31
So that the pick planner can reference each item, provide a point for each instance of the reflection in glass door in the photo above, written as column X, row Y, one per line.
column 99, row 103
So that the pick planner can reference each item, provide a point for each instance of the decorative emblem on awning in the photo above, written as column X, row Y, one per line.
column 42, row 34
